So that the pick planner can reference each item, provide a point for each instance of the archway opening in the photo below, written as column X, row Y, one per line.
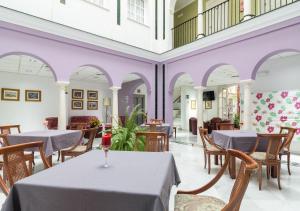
column 276, row 95
column 184, row 102
column 89, row 95
column 134, row 92
column 223, row 82
column 28, row 90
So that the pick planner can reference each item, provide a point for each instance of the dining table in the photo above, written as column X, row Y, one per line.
column 54, row 140
column 134, row 181
column 242, row 140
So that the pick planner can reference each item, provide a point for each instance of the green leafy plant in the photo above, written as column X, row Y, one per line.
column 236, row 121
column 124, row 138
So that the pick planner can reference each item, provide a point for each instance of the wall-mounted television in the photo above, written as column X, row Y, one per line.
column 208, row 96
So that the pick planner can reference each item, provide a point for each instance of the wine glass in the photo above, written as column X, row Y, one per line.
column 106, row 144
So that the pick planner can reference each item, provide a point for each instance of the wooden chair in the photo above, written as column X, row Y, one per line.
column 15, row 162
column 189, row 200
column 78, row 126
column 29, row 156
column 225, row 126
column 270, row 158
column 154, row 141
column 285, row 149
column 79, row 148
column 210, row 148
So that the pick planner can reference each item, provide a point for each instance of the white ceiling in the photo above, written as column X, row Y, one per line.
column 181, row 4
column 24, row 64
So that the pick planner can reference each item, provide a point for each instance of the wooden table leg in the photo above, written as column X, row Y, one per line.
column 216, row 160
column 50, row 160
column 231, row 167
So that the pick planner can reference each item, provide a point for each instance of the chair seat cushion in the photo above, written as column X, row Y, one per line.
column 80, row 148
column 187, row 202
column 212, row 148
column 261, row 156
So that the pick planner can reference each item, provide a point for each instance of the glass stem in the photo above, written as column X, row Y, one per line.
column 106, row 157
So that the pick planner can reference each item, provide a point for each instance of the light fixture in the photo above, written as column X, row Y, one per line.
column 106, row 103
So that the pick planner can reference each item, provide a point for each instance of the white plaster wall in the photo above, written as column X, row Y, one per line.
column 30, row 115
column 103, row 91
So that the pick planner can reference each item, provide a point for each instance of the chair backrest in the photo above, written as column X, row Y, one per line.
column 154, row 141
column 290, row 135
column 204, row 137
column 225, row 126
column 7, row 129
column 91, row 134
column 248, row 165
column 274, row 143
column 15, row 162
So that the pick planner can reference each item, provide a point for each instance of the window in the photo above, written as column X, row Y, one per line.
column 96, row 2
column 136, row 10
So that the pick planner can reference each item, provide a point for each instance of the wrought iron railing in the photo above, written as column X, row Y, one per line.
column 220, row 17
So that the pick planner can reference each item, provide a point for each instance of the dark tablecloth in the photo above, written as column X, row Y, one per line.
column 237, row 139
column 135, row 181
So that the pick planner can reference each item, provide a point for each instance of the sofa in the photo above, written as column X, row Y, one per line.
column 212, row 124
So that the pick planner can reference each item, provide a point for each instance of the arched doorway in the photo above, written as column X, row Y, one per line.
column 184, row 102
column 276, row 94
column 28, row 90
column 90, row 94
column 134, row 91
column 223, row 82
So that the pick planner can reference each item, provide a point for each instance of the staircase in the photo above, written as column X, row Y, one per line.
column 177, row 112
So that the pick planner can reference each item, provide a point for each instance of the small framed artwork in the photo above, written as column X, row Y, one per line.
column 193, row 104
column 208, row 104
column 33, row 95
column 77, row 94
column 77, row 104
column 92, row 95
column 92, row 105
column 10, row 94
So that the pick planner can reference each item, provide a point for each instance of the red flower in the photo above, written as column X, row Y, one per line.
column 280, row 111
column 258, row 118
column 297, row 105
column 259, row 95
column 270, row 129
column 284, row 94
column 268, row 100
column 298, row 131
column 283, row 118
column 271, row 106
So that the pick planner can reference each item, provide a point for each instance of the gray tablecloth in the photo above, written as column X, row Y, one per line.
column 237, row 139
column 135, row 181
column 54, row 139
column 162, row 128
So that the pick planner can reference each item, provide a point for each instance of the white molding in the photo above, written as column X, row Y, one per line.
column 136, row 22
column 200, row 87
column 115, row 88
column 247, row 81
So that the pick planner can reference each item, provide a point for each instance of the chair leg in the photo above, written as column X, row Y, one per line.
column 58, row 155
column 278, row 175
column 62, row 157
column 259, row 175
column 33, row 159
column 208, row 163
column 205, row 160
column 221, row 160
column 289, row 162
column 268, row 172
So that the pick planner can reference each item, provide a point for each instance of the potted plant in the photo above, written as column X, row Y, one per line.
column 236, row 121
column 124, row 138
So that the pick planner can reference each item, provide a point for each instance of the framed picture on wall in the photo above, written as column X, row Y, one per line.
column 193, row 104
column 10, row 94
column 92, row 105
column 92, row 95
column 33, row 95
column 77, row 94
column 77, row 104
column 208, row 104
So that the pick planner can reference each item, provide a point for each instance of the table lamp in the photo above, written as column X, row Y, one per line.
column 106, row 103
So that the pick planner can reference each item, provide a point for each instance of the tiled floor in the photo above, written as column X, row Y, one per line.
column 189, row 159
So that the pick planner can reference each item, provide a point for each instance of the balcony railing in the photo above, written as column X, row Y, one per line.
column 222, row 16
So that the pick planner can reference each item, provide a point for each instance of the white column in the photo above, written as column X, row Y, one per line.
column 200, row 19
column 246, row 84
column 115, row 108
column 247, row 10
column 199, row 90
column 62, row 118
